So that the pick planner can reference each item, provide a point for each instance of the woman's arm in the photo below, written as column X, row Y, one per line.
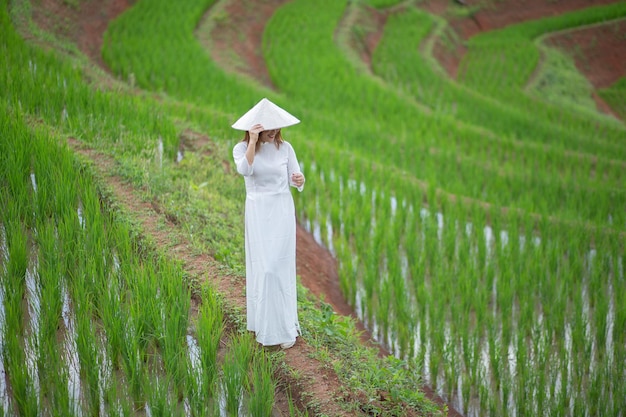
column 254, row 137
column 244, row 155
column 296, row 177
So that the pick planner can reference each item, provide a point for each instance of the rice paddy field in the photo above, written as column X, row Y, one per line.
column 478, row 222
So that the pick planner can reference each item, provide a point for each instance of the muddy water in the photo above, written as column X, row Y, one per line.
column 33, row 299
column 71, row 352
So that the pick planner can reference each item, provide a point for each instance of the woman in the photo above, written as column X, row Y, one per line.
column 269, row 166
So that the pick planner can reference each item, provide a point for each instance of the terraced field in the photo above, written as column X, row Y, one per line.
column 461, row 241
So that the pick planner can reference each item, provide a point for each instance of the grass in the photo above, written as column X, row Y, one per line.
column 613, row 95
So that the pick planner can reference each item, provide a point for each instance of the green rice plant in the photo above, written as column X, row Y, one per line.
column 613, row 95
column 49, row 272
column 15, row 170
column 15, row 276
column 381, row 4
column 125, row 47
column 25, row 398
column 145, row 300
column 133, row 364
column 599, row 298
column 53, row 372
column 200, row 388
column 6, row 405
column 54, row 383
column 161, row 402
column 235, row 371
column 18, row 373
column 113, row 316
column 261, row 385
column 12, row 353
column 116, row 397
column 381, row 309
column 347, row 270
column 176, row 300
column 561, row 83
column 209, row 329
column 87, row 346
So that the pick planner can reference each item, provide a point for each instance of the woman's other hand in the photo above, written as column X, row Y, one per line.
column 297, row 179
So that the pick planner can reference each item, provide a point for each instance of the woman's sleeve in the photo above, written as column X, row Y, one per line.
column 239, row 155
column 293, row 167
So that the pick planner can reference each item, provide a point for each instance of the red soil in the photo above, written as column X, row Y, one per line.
column 83, row 25
column 599, row 53
column 496, row 15
column 600, row 50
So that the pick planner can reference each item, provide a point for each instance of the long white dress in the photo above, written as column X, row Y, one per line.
column 270, row 242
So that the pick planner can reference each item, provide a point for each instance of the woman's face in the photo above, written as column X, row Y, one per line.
column 269, row 135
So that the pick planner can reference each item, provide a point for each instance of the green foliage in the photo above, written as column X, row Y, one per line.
column 378, row 386
column 381, row 4
column 132, row 47
column 614, row 96
column 209, row 330
column 235, row 372
column 407, row 173
column 559, row 82
column 262, row 385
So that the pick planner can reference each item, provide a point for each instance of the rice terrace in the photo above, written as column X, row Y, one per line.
column 461, row 236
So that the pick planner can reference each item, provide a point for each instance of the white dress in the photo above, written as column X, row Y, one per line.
column 270, row 235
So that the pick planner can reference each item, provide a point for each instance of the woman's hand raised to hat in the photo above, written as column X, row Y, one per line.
column 254, row 137
column 254, row 132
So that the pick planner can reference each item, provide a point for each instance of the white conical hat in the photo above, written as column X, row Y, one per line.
column 266, row 113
